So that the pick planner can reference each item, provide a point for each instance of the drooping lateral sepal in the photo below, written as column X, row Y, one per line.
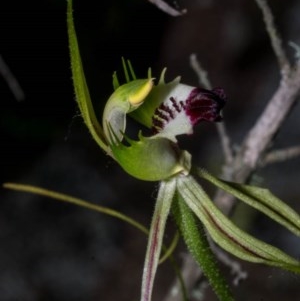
column 259, row 198
column 226, row 234
column 162, row 207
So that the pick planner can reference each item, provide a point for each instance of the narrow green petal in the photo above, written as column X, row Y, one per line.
column 260, row 199
column 125, row 70
column 116, row 83
column 80, row 86
column 132, row 73
column 196, row 241
column 128, row 71
column 228, row 235
column 161, row 212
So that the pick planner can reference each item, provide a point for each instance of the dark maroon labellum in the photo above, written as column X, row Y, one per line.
column 204, row 104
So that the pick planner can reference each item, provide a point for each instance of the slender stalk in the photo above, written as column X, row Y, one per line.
column 75, row 201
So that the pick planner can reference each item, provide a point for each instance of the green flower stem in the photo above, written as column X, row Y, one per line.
column 161, row 212
column 195, row 239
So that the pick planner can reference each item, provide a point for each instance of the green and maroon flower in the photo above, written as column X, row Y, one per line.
column 169, row 110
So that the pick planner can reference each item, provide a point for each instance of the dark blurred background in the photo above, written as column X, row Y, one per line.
column 58, row 252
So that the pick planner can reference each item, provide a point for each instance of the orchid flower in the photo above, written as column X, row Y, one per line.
column 168, row 110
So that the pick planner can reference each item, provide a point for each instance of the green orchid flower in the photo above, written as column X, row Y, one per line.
column 168, row 110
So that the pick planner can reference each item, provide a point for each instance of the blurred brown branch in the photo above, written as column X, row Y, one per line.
column 281, row 155
column 276, row 42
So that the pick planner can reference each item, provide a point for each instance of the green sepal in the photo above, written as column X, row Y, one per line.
column 259, row 198
column 226, row 234
column 80, row 86
column 151, row 159
column 161, row 212
column 196, row 241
